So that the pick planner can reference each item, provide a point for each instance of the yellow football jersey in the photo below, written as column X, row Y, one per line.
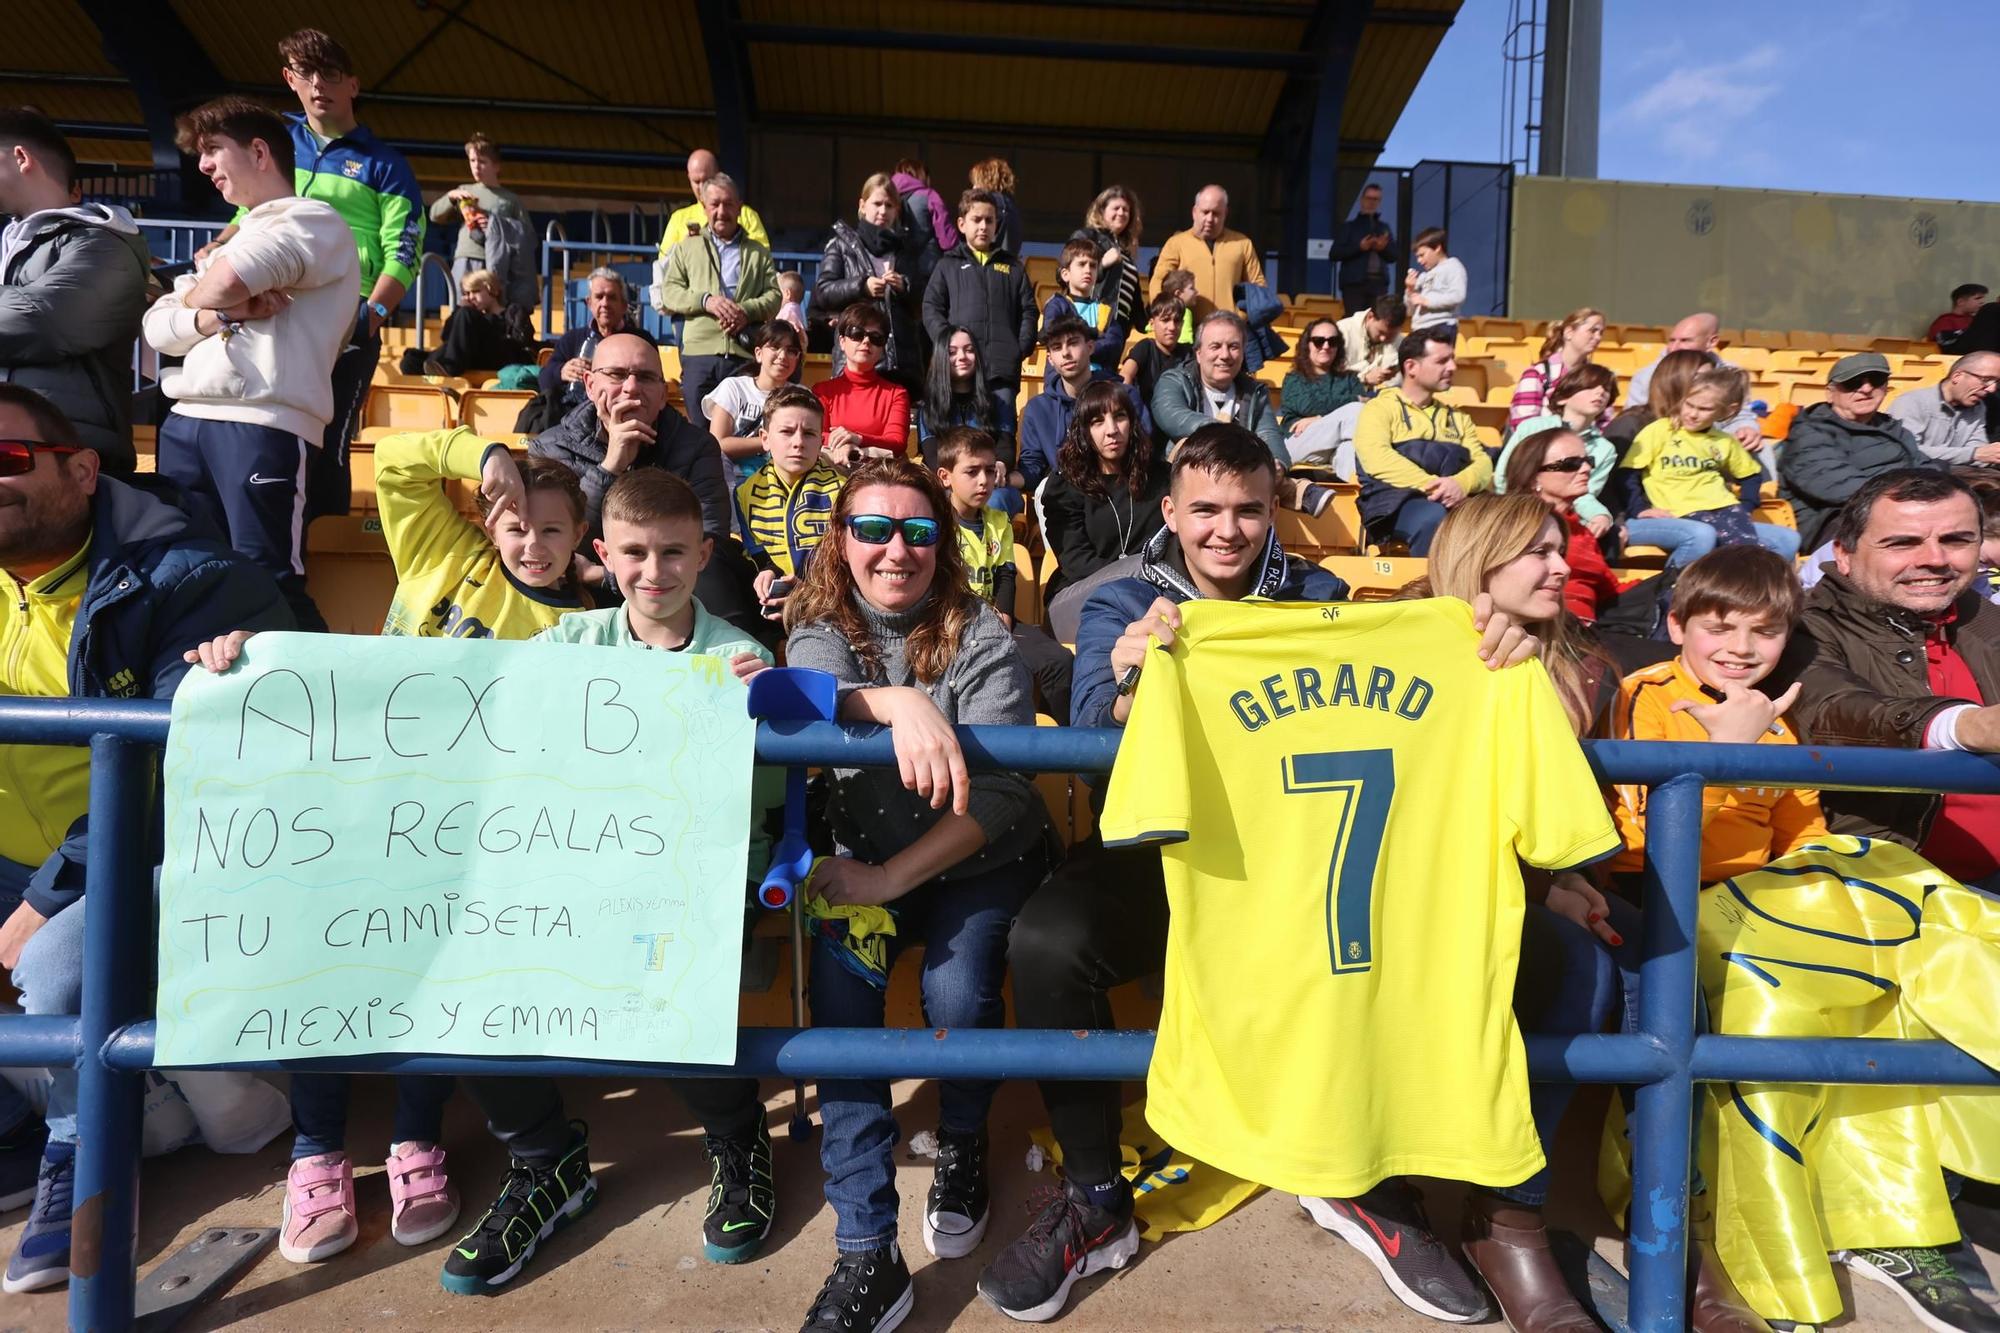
column 1345, row 791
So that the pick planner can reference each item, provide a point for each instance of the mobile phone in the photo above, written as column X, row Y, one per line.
column 773, row 599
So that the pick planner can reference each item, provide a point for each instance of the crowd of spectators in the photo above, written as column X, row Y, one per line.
column 766, row 518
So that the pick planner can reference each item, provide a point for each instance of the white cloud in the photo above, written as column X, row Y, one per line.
column 1699, row 113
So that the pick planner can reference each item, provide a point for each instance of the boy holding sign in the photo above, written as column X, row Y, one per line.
column 654, row 546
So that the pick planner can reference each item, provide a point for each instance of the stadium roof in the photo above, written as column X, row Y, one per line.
column 594, row 100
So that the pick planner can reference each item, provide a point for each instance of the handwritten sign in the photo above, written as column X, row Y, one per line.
column 454, row 846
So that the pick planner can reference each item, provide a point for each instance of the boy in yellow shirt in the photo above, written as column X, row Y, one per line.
column 783, row 507
column 455, row 579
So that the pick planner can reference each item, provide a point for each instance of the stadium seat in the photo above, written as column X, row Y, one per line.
column 1027, row 587
column 348, row 572
column 1375, row 578
column 492, row 412
column 406, row 407
column 1334, row 532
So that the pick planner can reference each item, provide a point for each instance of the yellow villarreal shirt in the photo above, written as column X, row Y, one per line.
column 988, row 547
column 43, row 788
column 1684, row 470
column 1346, row 793
column 450, row 583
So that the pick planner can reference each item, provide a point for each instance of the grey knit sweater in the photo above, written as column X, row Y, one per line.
column 873, row 815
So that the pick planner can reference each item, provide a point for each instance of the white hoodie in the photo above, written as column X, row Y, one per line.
column 278, row 372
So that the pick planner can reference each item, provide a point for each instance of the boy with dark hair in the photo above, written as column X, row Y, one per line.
column 338, row 161
column 72, row 289
column 1146, row 361
column 1948, row 328
column 1076, row 298
column 983, row 288
column 784, row 506
column 260, row 323
column 1047, row 416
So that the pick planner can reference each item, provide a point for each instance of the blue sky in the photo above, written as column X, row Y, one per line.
column 1850, row 96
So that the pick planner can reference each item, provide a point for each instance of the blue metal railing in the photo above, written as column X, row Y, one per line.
column 112, row 1041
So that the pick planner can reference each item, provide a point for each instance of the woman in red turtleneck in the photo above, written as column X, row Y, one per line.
column 866, row 415
column 1554, row 467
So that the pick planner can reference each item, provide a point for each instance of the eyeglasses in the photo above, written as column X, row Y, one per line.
column 880, row 529
column 874, row 337
column 1862, row 382
column 616, row 376
column 1983, row 381
column 1324, row 343
column 322, row 77
column 17, row 457
column 1574, row 463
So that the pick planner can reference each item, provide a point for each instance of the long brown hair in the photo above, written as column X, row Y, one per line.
column 1477, row 538
column 1524, row 464
column 828, row 595
column 1302, row 354
column 1128, row 240
column 1077, row 458
column 1671, row 378
column 1553, row 343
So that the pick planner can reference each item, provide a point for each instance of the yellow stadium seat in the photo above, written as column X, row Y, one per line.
column 1771, row 509
column 1027, row 587
column 491, row 412
column 406, row 407
column 1493, row 415
column 1805, row 395
column 348, row 572
column 1337, row 531
column 1375, row 578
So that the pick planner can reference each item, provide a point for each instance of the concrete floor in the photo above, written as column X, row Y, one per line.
column 633, row 1263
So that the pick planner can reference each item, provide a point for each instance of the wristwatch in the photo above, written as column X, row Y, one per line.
column 381, row 311
column 1128, row 681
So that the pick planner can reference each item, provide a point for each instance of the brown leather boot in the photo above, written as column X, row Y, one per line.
column 1714, row 1304
column 1509, row 1246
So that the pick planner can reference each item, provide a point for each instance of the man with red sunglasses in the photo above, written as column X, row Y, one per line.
column 103, row 585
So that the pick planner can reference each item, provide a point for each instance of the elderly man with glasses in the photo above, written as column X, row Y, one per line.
column 1836, row 447
column 626, row 422
column 1950, row 420
column 721, row 283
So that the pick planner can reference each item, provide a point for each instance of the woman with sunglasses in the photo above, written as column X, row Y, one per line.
column 867, row 416
column 876, row 259
column 1578, row 402
column 884, row 607
column 1315, row 389
column 734, row 409
column 1554, row 466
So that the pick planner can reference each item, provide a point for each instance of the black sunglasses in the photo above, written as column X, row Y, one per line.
column 874, row 336
column 17, row 457
column 1320, row 342
column 880, row 530
column 1574, row 463
column 1874, row 380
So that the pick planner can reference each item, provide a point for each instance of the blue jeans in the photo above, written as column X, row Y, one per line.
column 1416, row 521
column 964, row 925
column 50, row 979
column 1684, row 539
column 1590, row 988
column 319, row 1111
column 1784, row 541
column 14, row 1108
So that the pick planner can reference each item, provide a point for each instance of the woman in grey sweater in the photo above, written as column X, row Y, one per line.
column 885, row 608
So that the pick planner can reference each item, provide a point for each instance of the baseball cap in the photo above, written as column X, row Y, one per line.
column 1855, row 366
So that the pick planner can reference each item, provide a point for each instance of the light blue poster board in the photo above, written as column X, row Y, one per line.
column 464, row 847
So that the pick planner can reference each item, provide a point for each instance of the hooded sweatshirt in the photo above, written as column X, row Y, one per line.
column 278, row 372
column 72, row 291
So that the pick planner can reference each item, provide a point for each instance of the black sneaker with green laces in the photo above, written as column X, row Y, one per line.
column 1929, row 1284
column 741, row 1202
column 536, row 1199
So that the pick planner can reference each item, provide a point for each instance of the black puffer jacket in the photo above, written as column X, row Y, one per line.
column 844, row 269
column 1827, row 458
column 682, row 449
column 994, row 300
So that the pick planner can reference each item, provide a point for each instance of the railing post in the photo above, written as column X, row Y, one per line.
column 118, row 934
column 1657, row 1220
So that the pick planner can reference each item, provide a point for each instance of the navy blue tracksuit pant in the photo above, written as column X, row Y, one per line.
column 250, row 481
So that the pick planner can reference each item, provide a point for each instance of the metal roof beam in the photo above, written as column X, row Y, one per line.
column 168, row 71
column 395, row 99
column 596, row 157
column 729, row 85
column 1044, row 48
column 1310, row 145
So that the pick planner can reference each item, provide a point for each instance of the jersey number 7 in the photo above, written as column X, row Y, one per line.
column 1364, row 781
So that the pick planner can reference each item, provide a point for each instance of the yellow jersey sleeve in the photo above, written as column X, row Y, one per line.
column 1736, row 460
column 422, row 528
column 1556, row 809
column 1149, row 799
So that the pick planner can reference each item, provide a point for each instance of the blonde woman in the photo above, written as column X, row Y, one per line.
column 1113, row 223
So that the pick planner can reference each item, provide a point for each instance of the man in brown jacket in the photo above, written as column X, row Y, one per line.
column 1909, row 656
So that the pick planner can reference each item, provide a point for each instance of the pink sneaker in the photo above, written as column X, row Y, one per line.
column 319, row 1209
column 423, row 1203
